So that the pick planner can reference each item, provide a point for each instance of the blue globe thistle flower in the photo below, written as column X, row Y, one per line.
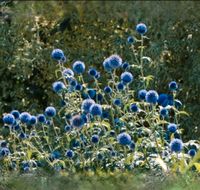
column 125, row 65
column 78, row 87
column 3, row 144
column 192, row 152
column 41, row 118
column 92, row 72
column 98, row 75
column 68, row 73
column 126, row 77
column 25, row 117
column 33, row 120
column 173, row 86
column 132, row 145
column 79, row 67
column 15, row 113
column 9, row 119
column 134, row 108
column 58, row 86
column 50, row 111
column 141, row 28
column 4, row 152
column 106, row 65
column 16, row 127
column 124, row 138
column 86, row 104
column 49, row 122
column 176, row 145
column 178, row 104
column 96, row 110
column 164, row 112
column 112, row 133
column 151, row 96
column 117, row 102
column 163, row 100
column 108, row 89
column 68, row 128
column 69, row 153
column 99, row 97
column 115, row 61
column 95, row 139
column 73, row 82
column 77, row 121
column 22, row 135
column 55, row 155
column 113, row 153
column 100, row 156
column 170, row 100
column 91, row 92
column 85, row 118
column 142, row 94
column 120, row 86
column 57, row 54
column 172, row 127
column 130, row 40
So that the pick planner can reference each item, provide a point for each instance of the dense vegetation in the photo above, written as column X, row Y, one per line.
column 117, row 96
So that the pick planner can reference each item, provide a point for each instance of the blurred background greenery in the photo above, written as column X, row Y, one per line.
column 91, row 31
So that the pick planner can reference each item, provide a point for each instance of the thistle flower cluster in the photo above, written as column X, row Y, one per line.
column 108, row 124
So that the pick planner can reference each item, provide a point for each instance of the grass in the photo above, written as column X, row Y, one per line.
column 88, row 181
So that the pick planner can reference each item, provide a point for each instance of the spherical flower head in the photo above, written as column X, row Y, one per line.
column 77, row 121
column 173, row 86
column 117, row 102
column 151, row 97
column 33, row 120
column 15, row 113
column 125, row 65
column 172, row 127
column 142, row 94
column 22, row 135
column 120, row 86
column 25, row 117
column 91, row 92
column 9, row 119
column 95, row 139
column 78, row 87
column 69, row 153
column 176, row 145
column 57, row 54
column 50, row 111
column 41, row 118
column 115, row 61
column 3, row 144
column 126, row 77
column 73, row 82
column 79, row 67
column 124, row 138
column 86, row 104
column 4, row 152
column 92, row 72
column 134, row 108
column 58, row 86
column 68, row 128
column 163, row 100
column 97, row 76
column 99, row 97
column 68, row 73
column 108, row 89
column 192, row 152
column 106, row 65
column 141, row 28
column 164, row 112
column 96, row 110
column 132, row 145
column 130, row 40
